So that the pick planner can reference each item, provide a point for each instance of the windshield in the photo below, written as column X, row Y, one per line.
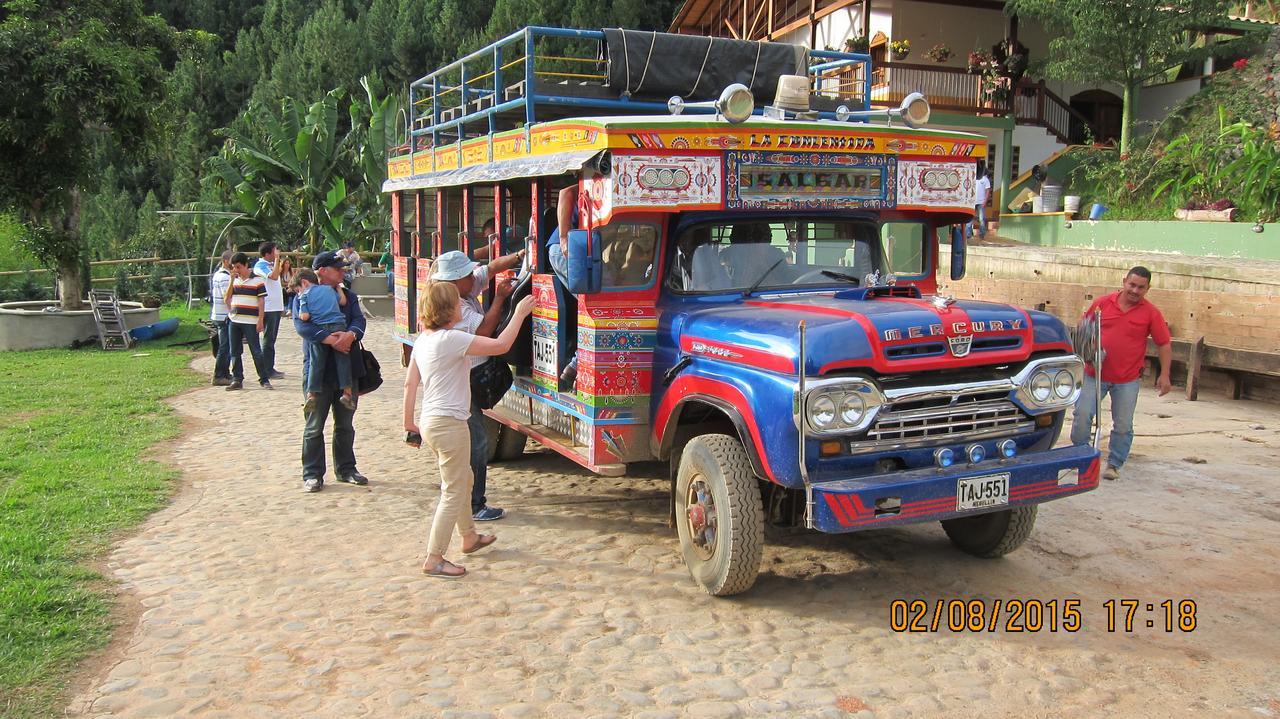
column 739, row 255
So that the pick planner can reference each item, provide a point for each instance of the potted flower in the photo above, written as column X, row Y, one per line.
column 977, row 60
column 857, row 43
column 939, row 53
column 900, row 49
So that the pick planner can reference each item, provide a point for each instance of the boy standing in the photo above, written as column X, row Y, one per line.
column 245, row 298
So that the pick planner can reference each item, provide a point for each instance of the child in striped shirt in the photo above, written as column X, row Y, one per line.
column 322, row 305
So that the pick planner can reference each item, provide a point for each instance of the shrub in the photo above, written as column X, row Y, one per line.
column 155, row 283
column 124, row 285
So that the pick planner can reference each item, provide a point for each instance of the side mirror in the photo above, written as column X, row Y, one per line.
column 586, row 270
column 957, row 252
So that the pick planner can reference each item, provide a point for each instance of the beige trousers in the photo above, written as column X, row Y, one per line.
column 451, row 441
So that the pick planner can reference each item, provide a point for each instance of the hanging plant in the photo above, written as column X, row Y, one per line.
column 857, row 43
column 900, row 49
column 939, row 53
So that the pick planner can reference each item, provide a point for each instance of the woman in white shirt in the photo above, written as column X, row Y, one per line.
column 439, row 363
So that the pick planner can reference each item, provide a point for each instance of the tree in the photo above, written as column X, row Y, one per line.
column 290, row 159
column 1127, row 42
column 70, row 70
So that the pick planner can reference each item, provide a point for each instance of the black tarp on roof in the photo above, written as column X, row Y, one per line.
column 659, row 65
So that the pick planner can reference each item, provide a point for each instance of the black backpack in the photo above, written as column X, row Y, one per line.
column 490, row 381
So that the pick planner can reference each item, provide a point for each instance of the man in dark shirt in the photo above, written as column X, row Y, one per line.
column 329, row 268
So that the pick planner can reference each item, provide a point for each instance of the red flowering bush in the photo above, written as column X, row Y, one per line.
column 1241, row 64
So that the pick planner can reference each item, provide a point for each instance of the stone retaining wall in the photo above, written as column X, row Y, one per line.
column 1231, row 303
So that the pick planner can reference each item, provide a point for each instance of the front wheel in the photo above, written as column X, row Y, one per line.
column 719, row 515
column 994, row 534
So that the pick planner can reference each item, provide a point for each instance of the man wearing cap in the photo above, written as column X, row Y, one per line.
column 329, row 268
column 472, row 279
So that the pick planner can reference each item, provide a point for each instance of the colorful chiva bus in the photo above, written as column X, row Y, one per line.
column 750, row 293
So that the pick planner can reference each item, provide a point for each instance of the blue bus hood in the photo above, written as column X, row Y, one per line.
column 881, row 334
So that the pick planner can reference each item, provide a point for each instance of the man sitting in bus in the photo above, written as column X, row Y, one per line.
column 751, row 256
column 557, row 243
column 699, row 264
column 558, row 257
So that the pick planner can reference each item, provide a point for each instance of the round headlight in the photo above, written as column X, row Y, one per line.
column 822, row 412
column 944, row 457
column 1064, row 384
column 1041, row 387
column 852, row 407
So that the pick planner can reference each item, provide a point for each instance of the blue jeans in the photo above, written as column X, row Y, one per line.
column 237, row 335
column 1124, row 400
column 270, row 328
column 391, row 282
column 979, row 224
column 319, row 355
column 479, row 457
column 344, row 436
column 222, row 361
column 559, row 261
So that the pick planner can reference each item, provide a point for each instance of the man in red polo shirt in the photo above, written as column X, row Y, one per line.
column 1127, row 320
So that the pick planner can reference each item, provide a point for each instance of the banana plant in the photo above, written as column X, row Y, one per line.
column 293, row 157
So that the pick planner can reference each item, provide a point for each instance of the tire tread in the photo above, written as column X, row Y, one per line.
column 746, row 517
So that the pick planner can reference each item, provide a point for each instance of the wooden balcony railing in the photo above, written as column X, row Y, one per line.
column 953, row 89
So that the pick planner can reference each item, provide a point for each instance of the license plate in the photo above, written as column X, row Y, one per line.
column 991, row 490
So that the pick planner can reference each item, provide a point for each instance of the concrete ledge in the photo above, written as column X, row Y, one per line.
column 26, row 326
column 1209, row 239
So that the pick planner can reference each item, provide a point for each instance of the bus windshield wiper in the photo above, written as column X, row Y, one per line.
column 841, row 276
column 760, row 281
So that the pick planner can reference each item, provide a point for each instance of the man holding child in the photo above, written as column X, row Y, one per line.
column 329, row 269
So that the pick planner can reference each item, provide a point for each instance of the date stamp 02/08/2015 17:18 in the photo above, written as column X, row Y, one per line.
column 1038, row 615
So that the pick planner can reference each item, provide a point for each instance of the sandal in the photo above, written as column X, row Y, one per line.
column 482, row 541
column 445, row 570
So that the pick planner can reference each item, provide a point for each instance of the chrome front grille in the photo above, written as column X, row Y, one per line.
column 961, row 419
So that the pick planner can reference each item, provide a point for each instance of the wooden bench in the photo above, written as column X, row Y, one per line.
column 1235, row 363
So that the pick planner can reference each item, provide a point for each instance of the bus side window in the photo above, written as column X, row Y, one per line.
column 628, row 254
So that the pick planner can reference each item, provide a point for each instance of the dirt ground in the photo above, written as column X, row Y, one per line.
column 255, row 599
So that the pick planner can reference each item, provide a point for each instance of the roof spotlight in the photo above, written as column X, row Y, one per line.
column 735, row 104
column 914, row 111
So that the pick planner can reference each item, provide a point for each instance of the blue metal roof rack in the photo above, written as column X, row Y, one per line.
column 472, row 96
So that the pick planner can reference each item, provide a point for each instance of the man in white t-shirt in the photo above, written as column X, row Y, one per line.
column 270, row 266
column 983, row 191
column 218, row 283
column 472, row 279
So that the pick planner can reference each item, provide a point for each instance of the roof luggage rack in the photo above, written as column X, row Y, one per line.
column 542, row 73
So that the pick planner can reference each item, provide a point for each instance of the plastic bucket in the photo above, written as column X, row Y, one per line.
column 1051, row 196
column 1095, row 212
column 1071, row 204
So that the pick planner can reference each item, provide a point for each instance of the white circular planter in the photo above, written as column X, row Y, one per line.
column 27, row 326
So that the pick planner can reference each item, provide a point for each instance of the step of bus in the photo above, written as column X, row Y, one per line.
column 555, row 441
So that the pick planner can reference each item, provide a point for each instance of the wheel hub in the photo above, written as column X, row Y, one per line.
column 700, row 517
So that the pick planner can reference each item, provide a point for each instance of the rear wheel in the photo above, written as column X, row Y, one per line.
column 994, row 534
column 505, row 443
column 718, row 515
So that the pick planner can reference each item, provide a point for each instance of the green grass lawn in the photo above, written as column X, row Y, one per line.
column 75, row 425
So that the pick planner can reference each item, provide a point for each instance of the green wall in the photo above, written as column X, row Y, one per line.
column 1214, row 239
